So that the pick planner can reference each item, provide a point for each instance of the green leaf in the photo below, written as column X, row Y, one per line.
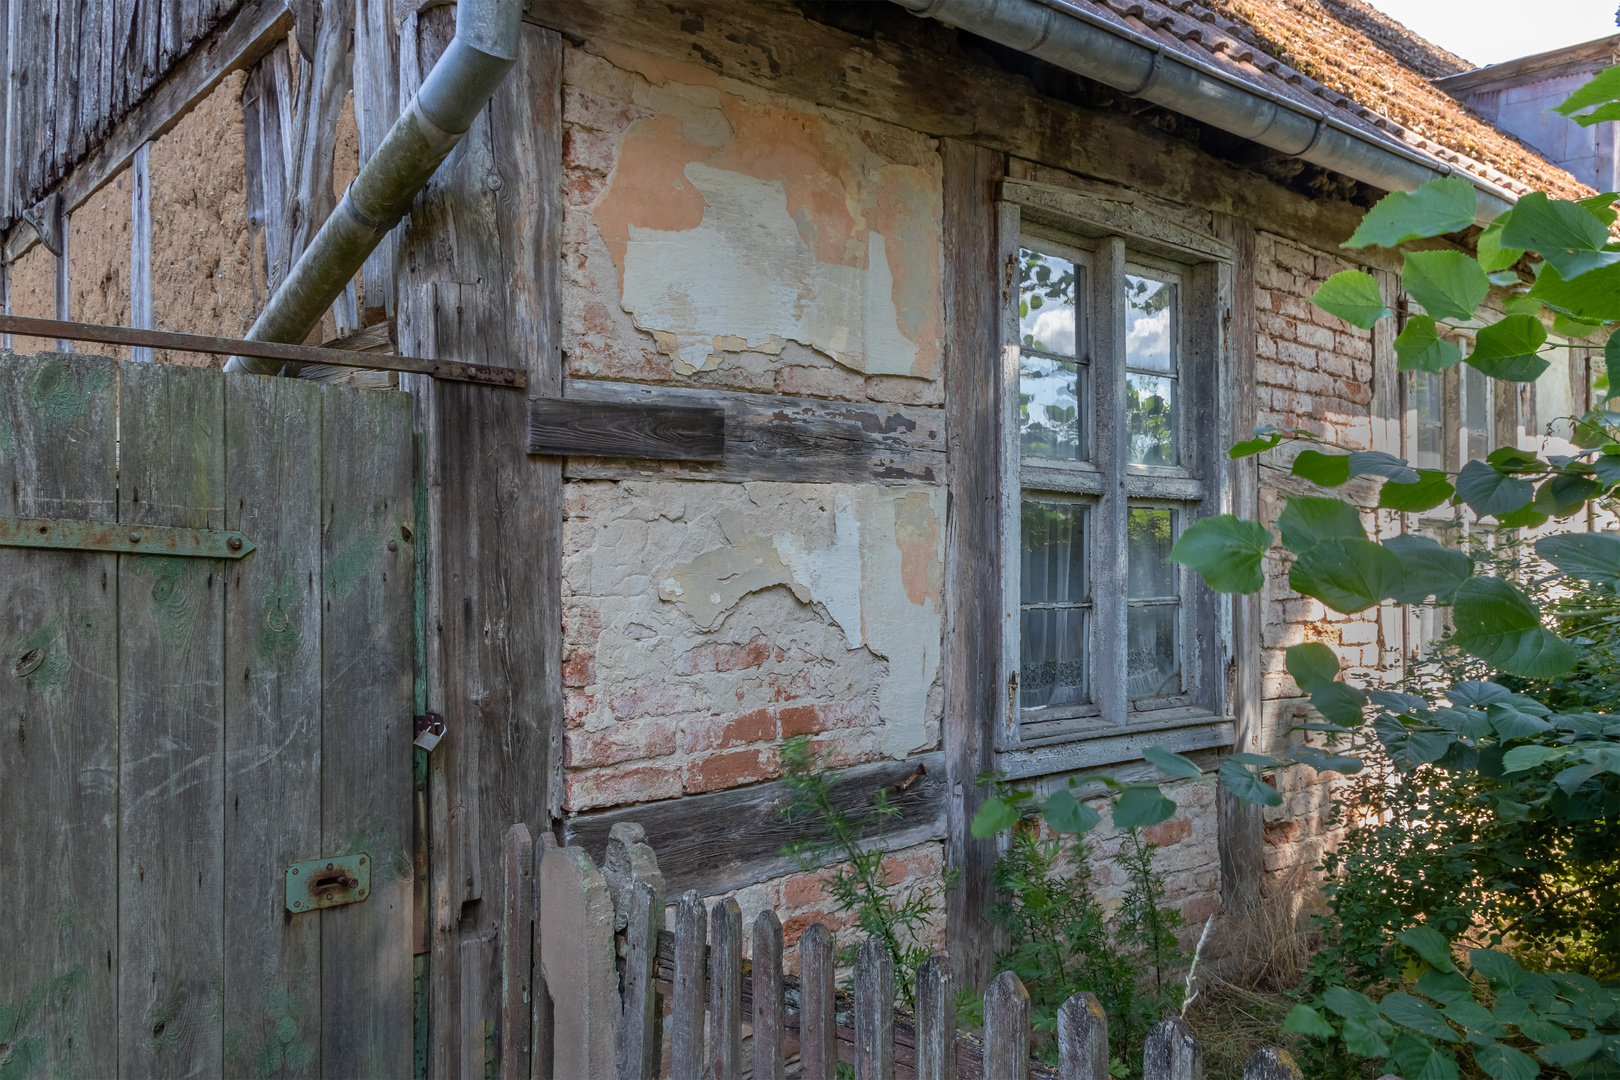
column 1506, row 349
column 1171, row 763
column 994, row 816
column 1498, row 623
column 1417, row 1014
column 1511, row 723
column 1524, row 758
column 1360, row 1038
column 1526, row 517
column 1601, row 88
column 1470, row 1015
column 1607, row 467
column 1323, row 761
column 1304, row 1020
column 1066, row 814
column 1588, row 556
column 1574, row 329
column 1430, row 944
column 1347, row 575
column 1490, row 492
column 1492, row 255
column 1428, row 569
column 1505, row 1063
column 1566, row 493
column 1568, row 235
column 1378, row 463
column 1573, row 1052
column 1441, row 206
column 1512, row 459
column 1142, row 805
column 1593, row 296
column 1353, row 296
column 1420, row 347
column 1264, row 761
column 1449, row 988
column 1339, row 702
column 1471, row 693
column 1311, row 664
column 1519, row 304
column 1245, row 785
column 1308, row 520
column 1249, row 447
column 1419, row 1059
column 1431, row 489
column 1449, row 284
column 1351, row 1005
column 1226, row 551
column 1327, row 470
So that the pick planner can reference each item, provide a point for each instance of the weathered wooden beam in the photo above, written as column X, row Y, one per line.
column 794, row 439
column 482, row 374
column 724, row 840
column 559, row 426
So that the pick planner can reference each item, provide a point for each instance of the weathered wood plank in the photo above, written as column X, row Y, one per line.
column 140, row 249
column 517, row 959
column 766, row 992
column 689, row 983
column 874, row 1012
column 1270, row 1063
column 366, row 588
column 971, row 654
column 614, row 429
column 171, row 743
column 1241, row 840
column 376, row 107
column 770, row 437
column 725, row 990
column 638, row 1049
column 723, row 840
column 273, row 725
column 1093, row 216
column 936, row 1020
column 578, row 955
column 1172, row 1052
column 1006, row 1029
column 1082, row 1038
column 818, row 987
column 59, row 720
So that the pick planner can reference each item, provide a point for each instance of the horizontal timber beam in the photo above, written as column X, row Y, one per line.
column 773, row 437
column 622, row 429
column 724, row 840
column 482, row 374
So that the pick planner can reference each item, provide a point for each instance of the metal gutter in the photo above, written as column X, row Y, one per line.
column 451, row 97
column 1076, row 40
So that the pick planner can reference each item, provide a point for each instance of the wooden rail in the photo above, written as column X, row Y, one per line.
column 482, row 374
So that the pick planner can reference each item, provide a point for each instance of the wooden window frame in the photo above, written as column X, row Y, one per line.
column 1111, row 728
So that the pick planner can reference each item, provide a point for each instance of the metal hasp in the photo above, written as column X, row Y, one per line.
column 323, row 883
column 67, row 535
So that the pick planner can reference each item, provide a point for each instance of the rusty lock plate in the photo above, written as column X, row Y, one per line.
column 324, row 883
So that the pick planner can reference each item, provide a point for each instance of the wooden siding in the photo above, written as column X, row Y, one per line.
column 74, row 69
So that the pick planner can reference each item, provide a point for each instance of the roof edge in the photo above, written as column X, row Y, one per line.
column 1599, row 50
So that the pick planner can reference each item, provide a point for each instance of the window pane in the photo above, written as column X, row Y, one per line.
column 1150, row 310
column 1476, row 388
column 1054, row 557
column 1150, row 420
column 1426, row 404
column 1150, row 533
column 1049, row 409
column 1053, row 657
column 1046, row 313
column 1151, row 665
column 1053, row 636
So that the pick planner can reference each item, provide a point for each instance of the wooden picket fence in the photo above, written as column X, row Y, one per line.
column 616, row 995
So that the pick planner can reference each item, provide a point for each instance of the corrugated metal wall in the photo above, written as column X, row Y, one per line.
column 74, row 69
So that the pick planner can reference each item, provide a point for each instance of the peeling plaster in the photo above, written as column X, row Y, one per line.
column 877, row 578
column 740, row 225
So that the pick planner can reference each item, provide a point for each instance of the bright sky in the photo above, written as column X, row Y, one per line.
column 1490, row 31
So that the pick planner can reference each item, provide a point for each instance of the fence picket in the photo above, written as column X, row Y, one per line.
column 725, row 990
column 1006, row 1029
column 1270, row 1063
column 936, row 1020
column 818, row 1022
column 1172, row 1052
column 578, row 953
column 638, row 1049
column 874, row 1013
column 1082, row 1039
column 770, row 1008
column 687, row 996
column 517, row 960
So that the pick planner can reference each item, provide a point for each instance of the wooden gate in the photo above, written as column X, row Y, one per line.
column 177, row 731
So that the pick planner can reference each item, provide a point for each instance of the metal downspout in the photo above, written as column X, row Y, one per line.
column 451, row 97
column 1073, row 39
